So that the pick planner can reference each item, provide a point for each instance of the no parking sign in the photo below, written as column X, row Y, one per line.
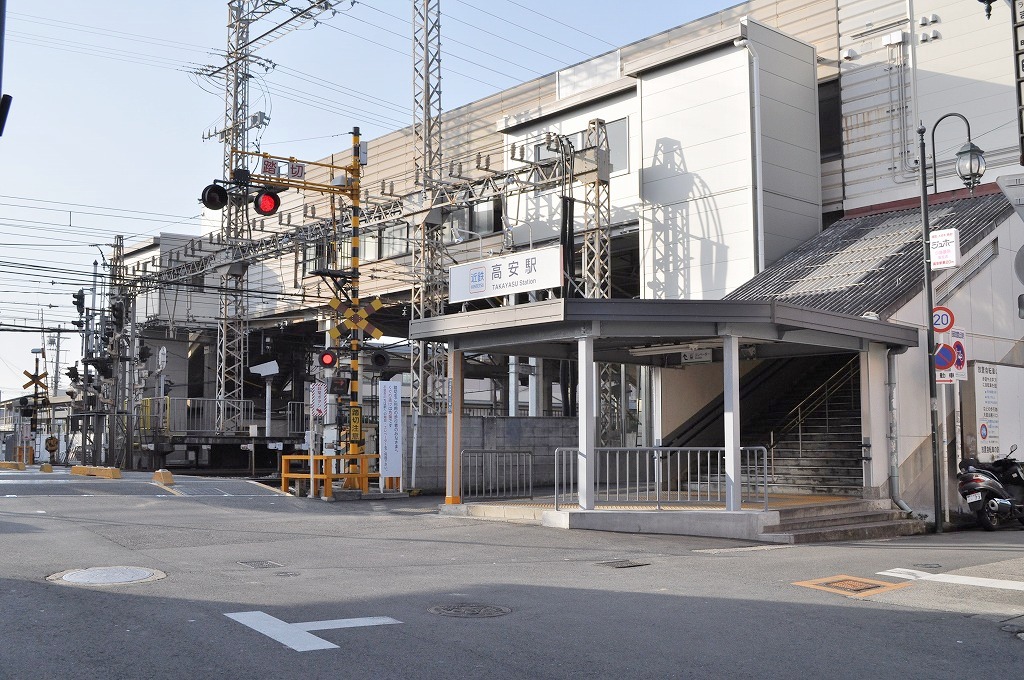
column 958, row 341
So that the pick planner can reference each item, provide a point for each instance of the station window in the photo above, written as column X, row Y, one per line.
column 394, row 240
column 486, row 218
column 830, row 120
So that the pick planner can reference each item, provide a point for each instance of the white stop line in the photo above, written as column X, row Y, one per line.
column 913, row 575
column 297, row 635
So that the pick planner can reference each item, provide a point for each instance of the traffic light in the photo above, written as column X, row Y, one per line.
column 73, row 374
column 144, row 353
column 214, row 197
column 266, row 202
column 117, row 316
column 79, row 299
column 328, row 358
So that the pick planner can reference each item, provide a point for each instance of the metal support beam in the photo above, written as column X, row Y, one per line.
column 453, row 438
column 731, row 374
column 588, row 396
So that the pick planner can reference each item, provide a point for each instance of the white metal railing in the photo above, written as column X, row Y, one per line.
column 662, row 475
column 298, row 417
column 506, row 473
column 185, row 415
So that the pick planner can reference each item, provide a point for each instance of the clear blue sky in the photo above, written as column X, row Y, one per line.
column 105, row 133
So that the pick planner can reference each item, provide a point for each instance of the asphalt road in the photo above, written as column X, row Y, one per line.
column 319, row 574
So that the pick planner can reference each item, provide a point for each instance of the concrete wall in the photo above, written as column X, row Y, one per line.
column 541, row 435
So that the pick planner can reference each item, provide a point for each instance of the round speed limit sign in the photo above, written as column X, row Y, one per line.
column 942, row 319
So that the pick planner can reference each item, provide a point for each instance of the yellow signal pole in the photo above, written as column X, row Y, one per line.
column 355, row 414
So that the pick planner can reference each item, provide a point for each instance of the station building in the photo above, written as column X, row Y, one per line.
column 764, row 285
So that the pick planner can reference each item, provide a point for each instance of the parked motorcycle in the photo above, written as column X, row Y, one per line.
column 994, row 491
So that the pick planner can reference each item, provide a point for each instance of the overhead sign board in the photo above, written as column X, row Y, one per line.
column 695, row 356
column 945, row 248
column 521, row 272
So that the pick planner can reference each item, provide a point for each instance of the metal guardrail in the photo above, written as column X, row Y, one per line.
column 662, row 474
column 298, row 417
column 506, row 473
column 185, row 415
column 326, row 469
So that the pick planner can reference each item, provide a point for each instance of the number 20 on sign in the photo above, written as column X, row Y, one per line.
column 942, row 319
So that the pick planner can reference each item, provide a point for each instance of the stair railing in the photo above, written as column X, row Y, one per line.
column 822, row 395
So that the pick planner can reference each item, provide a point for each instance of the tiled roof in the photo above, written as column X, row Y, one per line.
column 871, row 263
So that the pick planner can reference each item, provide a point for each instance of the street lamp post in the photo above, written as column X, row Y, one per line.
column 970, row 166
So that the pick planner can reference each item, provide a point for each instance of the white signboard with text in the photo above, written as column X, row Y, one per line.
column 993, row 409
column 945, row 246
column 521, row 272
column 391, row 435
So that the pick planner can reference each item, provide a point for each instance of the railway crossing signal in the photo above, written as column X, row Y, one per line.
column 356, row 318
column 328, row 359
column 215, row 197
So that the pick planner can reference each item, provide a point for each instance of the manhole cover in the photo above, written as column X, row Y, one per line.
column 261, row 564
column 108, row 576
column 622, row 564
column 470, row 611
column 851, row 585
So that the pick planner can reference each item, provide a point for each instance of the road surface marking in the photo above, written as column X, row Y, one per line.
column 914, row 575
column 297, row 635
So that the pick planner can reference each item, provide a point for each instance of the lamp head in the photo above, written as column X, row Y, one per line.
column 970, row 164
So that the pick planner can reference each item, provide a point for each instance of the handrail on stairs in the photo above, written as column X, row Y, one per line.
column 797, row 416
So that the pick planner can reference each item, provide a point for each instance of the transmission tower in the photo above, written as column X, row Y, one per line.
column 428, row 290
column 235, row 226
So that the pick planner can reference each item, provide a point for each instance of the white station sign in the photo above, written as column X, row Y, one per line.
column 521, row 272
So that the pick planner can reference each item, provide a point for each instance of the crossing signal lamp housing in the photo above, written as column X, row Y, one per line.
column 328, row 359
column 214, row 197
column 266, row 202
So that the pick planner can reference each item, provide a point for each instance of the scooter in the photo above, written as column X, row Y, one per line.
column 994, row 491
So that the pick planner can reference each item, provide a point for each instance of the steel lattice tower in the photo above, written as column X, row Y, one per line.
column 235, row 226
column 231, row 323
column 597, row 281
column 428, row 291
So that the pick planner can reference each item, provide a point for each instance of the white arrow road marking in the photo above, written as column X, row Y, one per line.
column 913, row 575
column 297, row 635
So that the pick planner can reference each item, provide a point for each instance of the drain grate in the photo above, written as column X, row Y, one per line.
column 286, row 573
column 850, row 585
column 470, row 611
column 622, row 564
column 260, row 564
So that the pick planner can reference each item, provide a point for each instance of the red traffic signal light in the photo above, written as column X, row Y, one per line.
column 266, row 202
column 328, row 358
column 214, row 197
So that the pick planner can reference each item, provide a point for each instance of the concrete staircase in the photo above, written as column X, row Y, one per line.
column 852, row 520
